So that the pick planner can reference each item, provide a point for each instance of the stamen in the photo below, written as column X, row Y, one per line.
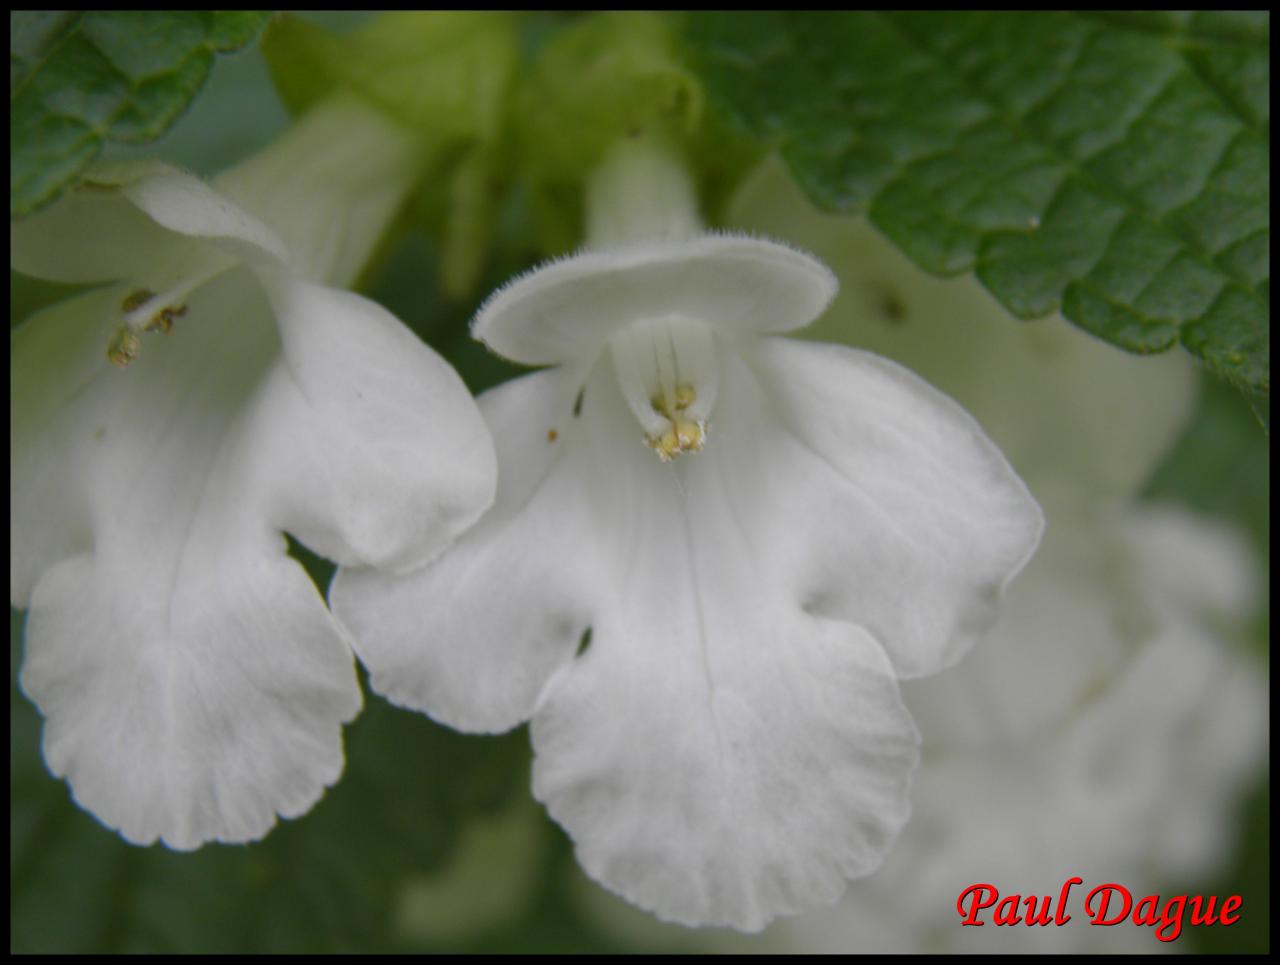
column 145, row 311
column 136, row 299
column 162, row 321
column 124, row 346
column 668, row 375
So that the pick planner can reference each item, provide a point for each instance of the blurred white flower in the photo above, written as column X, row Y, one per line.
column 1103, row 730
column 712, row 555
column 193, row 683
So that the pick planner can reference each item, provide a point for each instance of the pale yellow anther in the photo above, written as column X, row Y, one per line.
column 124, row 346
column 689, row 435
column 666, row 369
column 683, row 436
column 667, row 446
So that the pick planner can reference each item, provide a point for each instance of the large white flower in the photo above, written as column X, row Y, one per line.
column 711, row 555
column 193, row 683
column 1106, row 725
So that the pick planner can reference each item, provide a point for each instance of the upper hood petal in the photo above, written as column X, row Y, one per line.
column 568, row 309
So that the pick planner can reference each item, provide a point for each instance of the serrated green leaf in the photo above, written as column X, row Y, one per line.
column 1115, row 166
column 81, row 79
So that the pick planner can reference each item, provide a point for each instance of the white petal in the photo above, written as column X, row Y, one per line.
column 568, row 309
column 728, row 769
column 473, row 638
column 151, row 229
column 374, row 450
column 192, row 712
column 1058, row 638
column 193, row 683
column 55, row 358
column 881, row 500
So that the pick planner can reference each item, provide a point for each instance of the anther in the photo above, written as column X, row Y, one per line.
column 136, row 299
column 124, row 346
column 162, row 321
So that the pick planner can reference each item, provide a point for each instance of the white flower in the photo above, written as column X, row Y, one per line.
column 1106, row 726
column 193, row 683
column 711, row 556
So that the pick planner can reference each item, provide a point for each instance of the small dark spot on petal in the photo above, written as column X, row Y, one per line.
column 577, row 403
column 552, row 435
column 585, row 643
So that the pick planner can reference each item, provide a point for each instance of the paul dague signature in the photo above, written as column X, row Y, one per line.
column 1167, row 921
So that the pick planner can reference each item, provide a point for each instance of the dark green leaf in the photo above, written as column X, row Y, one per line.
column 81, row 79
column 1113, row 166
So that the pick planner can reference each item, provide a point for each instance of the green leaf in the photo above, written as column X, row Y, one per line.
column 1112, row 166
column 80, row 79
